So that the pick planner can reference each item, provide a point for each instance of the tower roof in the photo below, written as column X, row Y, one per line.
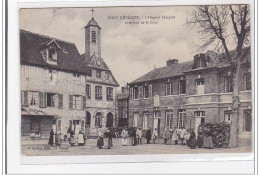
column 92, row 22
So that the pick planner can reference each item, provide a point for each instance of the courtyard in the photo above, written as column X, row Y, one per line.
column 40, row 147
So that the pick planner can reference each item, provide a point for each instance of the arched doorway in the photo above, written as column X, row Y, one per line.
column 109, row 120
column 88, row 119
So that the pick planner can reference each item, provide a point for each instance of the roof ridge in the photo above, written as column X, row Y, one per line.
column 45, row 36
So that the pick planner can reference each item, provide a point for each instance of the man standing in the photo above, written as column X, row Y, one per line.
column 109, row 139
column 155, row 135
column 148, row 135
column 124, row 135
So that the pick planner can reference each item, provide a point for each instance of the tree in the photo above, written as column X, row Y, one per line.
column 226, row 28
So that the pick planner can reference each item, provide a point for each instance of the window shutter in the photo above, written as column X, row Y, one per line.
column 84, row 102
column 41, row 99
column 171, row 85
column 60, row 100
column 70, row 101
column 45, row 99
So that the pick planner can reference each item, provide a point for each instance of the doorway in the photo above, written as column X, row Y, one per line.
column 109, row 120
column 156, row 124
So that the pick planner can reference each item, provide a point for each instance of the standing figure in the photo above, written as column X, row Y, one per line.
column 109, row 139
column 51, row 137
column 186, row 137
column 134, row 140
column 208, row 141
column 182, row 133
column 165, row 135
column 58, row 137
column 81, row 139
column 139, row 136
column 200, row 140
column 169, row 136
column 100, row 140
column 68, row 133
column 72, row 138
column 148, row 135
column 155, row 135
column 192, row 140
column 124, row 135
column 65, row 135
column 175, row 136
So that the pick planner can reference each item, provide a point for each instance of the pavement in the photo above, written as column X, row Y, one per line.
column 40, row 147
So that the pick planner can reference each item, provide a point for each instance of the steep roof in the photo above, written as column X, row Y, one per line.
column 93, row 22
column 165, row 72
column 92, row 62
column 213, row 60
column 68, row 57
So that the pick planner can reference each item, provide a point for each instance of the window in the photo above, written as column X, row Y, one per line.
column 135, row 122
column 53, row 75
column 169, row 88
column 182, row 119
column 93, row 37
column 109, row 93
column 150, row 91
column 145, row 121
column 227, row 117
column 76, row 78
column 169, row 119
column 88, row 91
column 43, row 99
column 98, row 92
column 75, row 102
column 247, row 120
column 228, row 83
column 107, row 75
column 131, row 93
column 59, row 124
column 140, row 91
column 146, row 91
column 98, row 120
column 136, row 93
column 52, row 100
column 201, row 115
column 247, row 81
column 199, row 86
column 98, row 73
column 182, row 87
column 52, row 55
column 33, row 98
column 60, row 100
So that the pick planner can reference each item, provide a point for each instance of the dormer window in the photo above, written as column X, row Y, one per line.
column 52, row 56
column 93, row 37
column 49, row 52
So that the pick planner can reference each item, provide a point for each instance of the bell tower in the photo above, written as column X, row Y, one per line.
column 92, row 38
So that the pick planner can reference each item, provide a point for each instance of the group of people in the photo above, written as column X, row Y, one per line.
column 106, row 137
column 55, row 138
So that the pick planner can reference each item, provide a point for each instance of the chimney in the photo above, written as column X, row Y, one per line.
column 123, row 89
column 171, row 62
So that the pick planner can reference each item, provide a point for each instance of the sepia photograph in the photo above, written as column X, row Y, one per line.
column 136, row 80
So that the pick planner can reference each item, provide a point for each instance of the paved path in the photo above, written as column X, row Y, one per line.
column 41, row 148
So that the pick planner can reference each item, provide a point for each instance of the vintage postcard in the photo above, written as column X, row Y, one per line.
column 136, row 80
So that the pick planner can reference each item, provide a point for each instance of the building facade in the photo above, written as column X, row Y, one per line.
column 101, row 86
column 184, row 95
column 52, row 78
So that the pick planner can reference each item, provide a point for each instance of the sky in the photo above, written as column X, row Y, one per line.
column 130, row 50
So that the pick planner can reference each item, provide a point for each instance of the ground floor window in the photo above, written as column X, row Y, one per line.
column 98, row 120
column 248, row 120
column 35, row 126
column 169, row 119
column 181, row 118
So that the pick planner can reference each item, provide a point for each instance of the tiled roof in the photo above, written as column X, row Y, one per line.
column 212, row 59
column 68, row 57
column 92, row 22
column 122, row 96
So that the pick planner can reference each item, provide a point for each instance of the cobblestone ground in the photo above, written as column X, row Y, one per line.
column 41, row 148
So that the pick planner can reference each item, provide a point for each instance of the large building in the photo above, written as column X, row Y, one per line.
column 184, row 95
column 53, row 78
column 101, row 86
column 61, row 88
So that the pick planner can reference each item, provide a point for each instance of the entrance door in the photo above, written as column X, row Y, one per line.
column 199, row 119
column 109, row 120
column 156, row 124
column 35, row 126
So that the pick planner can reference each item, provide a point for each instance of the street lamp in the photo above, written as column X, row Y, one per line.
column 190, row 118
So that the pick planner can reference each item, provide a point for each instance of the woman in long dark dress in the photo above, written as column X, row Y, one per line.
column 192, row 140
column 100, row 140
column 51, row 137
column 200, row 140
column 148, row 135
